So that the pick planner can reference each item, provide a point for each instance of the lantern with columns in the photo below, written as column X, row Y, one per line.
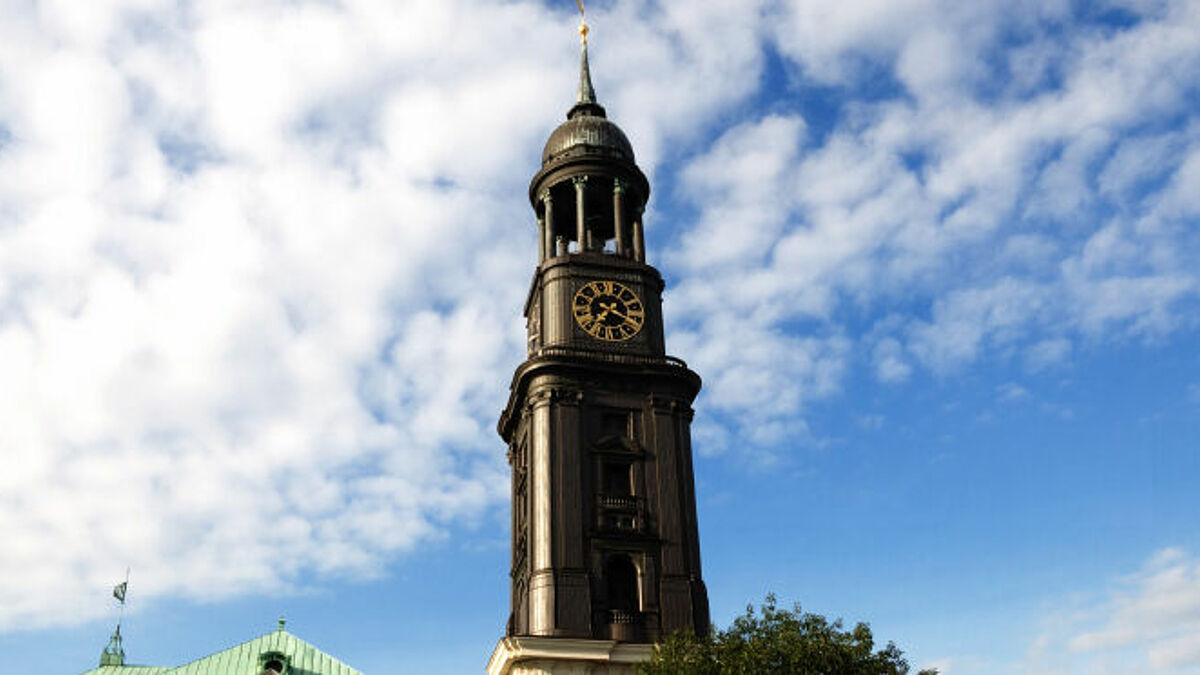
column 589, row 194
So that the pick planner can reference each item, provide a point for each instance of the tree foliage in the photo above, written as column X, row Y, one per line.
column 775, row 640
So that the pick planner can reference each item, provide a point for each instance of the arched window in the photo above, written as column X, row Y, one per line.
column 621, row 576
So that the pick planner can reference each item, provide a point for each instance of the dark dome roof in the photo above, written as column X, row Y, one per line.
column 587, row 134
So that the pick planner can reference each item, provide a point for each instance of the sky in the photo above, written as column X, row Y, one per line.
column 262, row 266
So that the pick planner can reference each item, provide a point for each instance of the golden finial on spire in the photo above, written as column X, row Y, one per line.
column 583, row 27
column 587, row 94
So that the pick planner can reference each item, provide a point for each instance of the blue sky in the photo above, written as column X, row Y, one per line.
column 262, row 264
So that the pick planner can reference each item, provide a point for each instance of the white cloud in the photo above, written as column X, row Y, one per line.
column 1047, row 353
column 945, row 666
column 981, row 212
column 1146, row 621
column 1011, row 391
column 1160, row 602
column 223, row 360
column 870, row 422
column 890, row 364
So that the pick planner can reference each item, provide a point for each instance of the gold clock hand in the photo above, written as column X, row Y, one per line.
column 613, row 310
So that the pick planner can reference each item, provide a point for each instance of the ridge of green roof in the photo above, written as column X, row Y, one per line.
column 243, row 659
column 128, row 670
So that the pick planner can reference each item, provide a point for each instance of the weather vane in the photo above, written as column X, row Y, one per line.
column 583, row 27
column 114, row 653
column 119, row 592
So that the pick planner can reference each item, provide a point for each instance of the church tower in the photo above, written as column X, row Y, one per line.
column 605, row 548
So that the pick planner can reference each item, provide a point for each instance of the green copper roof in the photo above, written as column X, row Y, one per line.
column 243, row 659
column 129, row 670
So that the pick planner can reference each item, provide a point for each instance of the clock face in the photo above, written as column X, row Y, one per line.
column 608, row 310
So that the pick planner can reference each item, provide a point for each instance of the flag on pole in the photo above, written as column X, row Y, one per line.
column 119, row 591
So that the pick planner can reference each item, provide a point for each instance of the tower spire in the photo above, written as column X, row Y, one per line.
column 587, row 93
column 585, row 102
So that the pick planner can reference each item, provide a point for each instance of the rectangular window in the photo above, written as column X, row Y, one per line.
column 617, row 480
column 615, row 424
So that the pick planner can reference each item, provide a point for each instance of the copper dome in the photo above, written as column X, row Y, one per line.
column 587, row 134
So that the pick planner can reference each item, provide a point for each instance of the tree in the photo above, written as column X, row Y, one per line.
column 776, row 640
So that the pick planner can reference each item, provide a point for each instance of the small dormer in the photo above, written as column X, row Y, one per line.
column 273, row 663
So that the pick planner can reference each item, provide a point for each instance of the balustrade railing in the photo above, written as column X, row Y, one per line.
column 620, row 512
column 618, row 502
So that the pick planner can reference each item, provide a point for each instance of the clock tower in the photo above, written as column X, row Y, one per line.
column 605, row 548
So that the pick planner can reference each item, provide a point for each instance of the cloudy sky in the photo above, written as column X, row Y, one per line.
column 262, row 265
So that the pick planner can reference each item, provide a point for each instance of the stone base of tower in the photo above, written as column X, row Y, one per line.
column 566, row 656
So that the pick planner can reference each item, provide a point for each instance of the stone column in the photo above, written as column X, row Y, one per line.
column 541, row 582
column 541, row 229
column 546, row 233
column 580, row 225
column 639, row 239
column 619, row 215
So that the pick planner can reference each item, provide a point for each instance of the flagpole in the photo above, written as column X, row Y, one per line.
column 124, row 593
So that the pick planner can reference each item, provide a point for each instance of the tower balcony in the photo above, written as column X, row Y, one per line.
column 620, row 513
column 625, row 626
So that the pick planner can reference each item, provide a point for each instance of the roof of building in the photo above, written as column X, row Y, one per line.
column 246, row 659
column 129, row 670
